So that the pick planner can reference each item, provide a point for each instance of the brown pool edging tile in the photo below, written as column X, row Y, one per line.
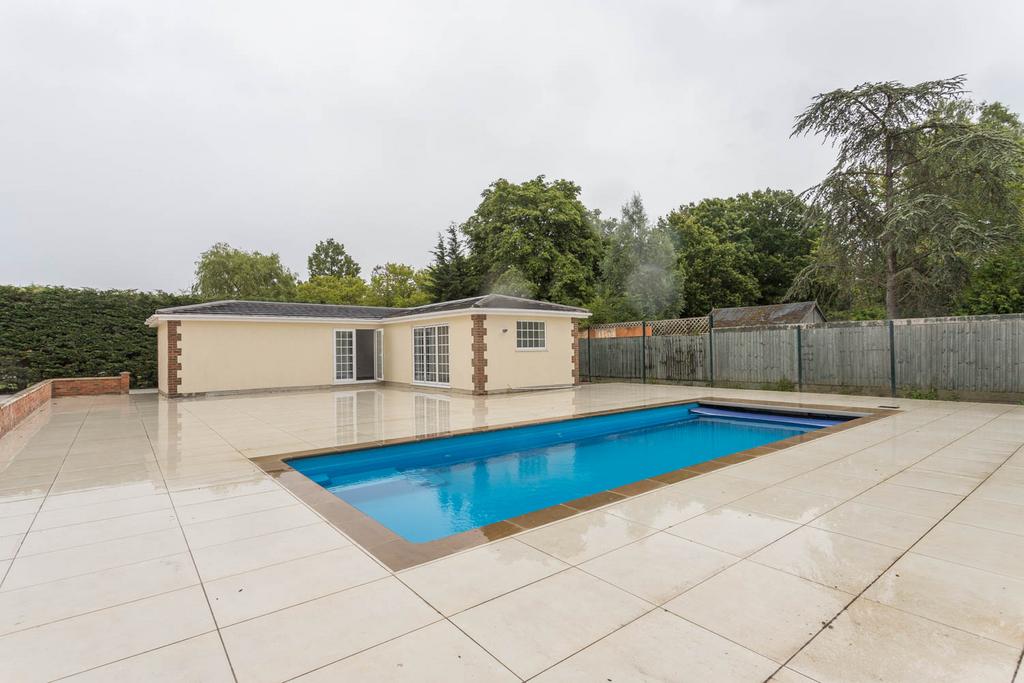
column 397, row 553
column 595, row 500
column 638, row 487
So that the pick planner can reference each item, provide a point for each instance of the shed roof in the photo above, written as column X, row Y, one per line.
column 287, row 309
column 772, row 314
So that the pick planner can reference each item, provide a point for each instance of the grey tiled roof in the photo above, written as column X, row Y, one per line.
column 298, row 310
column 283, row 308
column 489, row 301
column 772, row 314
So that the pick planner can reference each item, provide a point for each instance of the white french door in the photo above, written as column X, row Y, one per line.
column 378, row 355
column 430, row 355
column 358, row 356
column 344, row 355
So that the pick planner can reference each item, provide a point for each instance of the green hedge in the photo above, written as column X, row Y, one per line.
column 59, row 332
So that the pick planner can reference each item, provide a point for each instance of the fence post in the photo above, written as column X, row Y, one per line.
column 711, row 349
column 643, row 352
column 892, row 359
column 590, row 355
column 799, row 360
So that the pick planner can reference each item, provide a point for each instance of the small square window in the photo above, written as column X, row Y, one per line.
column 530, row 335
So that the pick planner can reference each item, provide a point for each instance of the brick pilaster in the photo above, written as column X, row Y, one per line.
column 173, row 358
column 479, row 354
column 575, row 351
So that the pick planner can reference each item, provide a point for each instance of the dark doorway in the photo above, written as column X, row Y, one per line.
column 364, row 354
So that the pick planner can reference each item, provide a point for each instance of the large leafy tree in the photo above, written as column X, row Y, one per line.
column 712, row 270
column 842, row 298
column 512, row 282
column 997, row 280
column 542, row 229
column 601, row 225
column 997, row 285
column 397, row 284
column 330, row 258
column 773, row 238
column 898, row 206
column 223, row 272
column 622, row 244
column 329, row 289
column 451, row 274
column 774, row 221
column 638, row 269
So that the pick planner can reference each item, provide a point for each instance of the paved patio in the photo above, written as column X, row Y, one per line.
column 138, row 542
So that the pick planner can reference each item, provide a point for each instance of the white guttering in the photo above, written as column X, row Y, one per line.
column 156, row 318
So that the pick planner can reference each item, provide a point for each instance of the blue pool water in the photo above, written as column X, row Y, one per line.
column 430, row 489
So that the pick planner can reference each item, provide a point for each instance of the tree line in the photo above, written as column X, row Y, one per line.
column 536, row 239
column 223, row 272
column 920, row 215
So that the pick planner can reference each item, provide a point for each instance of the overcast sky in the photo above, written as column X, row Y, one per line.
column 135, row 134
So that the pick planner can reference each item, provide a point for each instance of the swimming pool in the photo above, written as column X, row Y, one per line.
column 430, row 489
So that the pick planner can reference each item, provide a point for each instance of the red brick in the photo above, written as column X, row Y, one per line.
column 479, row 347
column 173, row 353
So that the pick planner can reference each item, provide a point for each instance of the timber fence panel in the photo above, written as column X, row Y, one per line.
column 584, row 358
column 755, row 355
column 615, row 357
column 854, row 355
column 677, row 358
column 983, row 354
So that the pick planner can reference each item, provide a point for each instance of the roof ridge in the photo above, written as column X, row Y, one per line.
column 783, row 303
column 300, row 309
column 201, row 304
column 206, row 304
column 535, row 301
column 450, row 301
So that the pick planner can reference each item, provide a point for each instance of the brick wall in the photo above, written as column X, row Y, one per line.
column 173, row 357
column 479, row 360
column 24, row 403
column 91, row 386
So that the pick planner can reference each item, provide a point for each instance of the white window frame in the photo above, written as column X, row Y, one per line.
column 544, row 329
column 334, row 349
column 378, row 354
column 355, row 343
column 425, row 383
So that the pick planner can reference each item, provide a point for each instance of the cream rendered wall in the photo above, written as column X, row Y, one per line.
column 460, row 357
column 161, row 357
column 398, row 350
column 509, row 369
column 398, row 353
column 238, row 356
column 234, row 356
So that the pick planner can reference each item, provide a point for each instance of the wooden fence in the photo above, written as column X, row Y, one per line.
column 978, row 356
